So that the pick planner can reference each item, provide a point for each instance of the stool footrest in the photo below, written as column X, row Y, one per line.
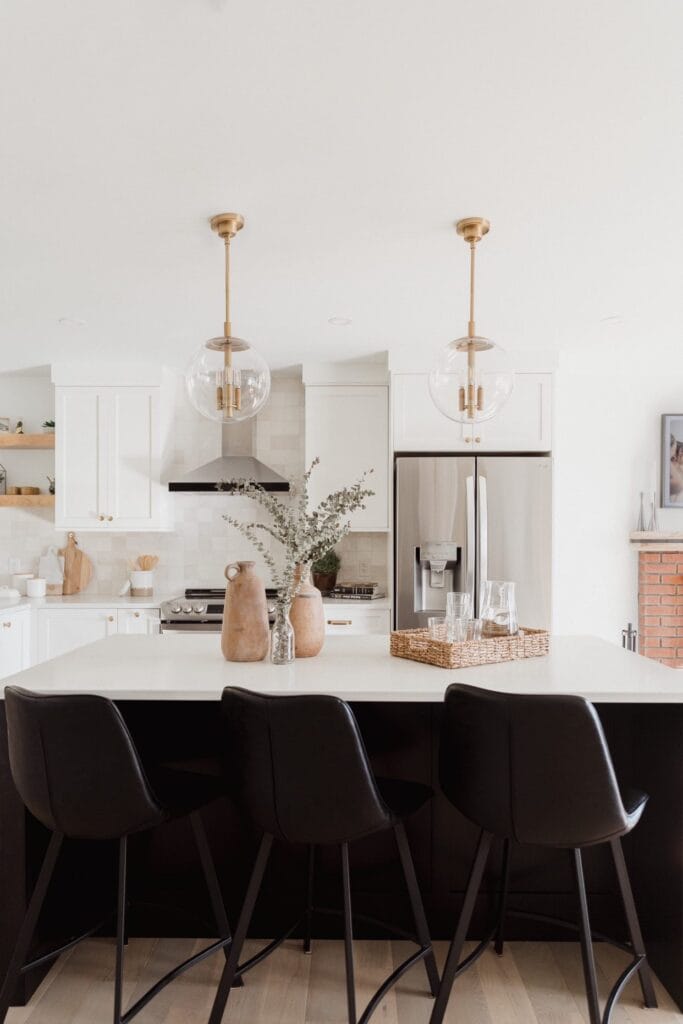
column 561, row 922
column 54, row 953
column 390, row 981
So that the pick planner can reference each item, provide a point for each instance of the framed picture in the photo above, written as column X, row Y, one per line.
column 4, row 424
column 672, row 460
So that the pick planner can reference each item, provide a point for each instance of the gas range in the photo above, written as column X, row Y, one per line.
column 200, row 610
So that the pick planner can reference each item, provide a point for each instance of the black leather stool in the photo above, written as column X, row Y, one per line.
column 537, row 770
column 76, row 769
column 299, row 769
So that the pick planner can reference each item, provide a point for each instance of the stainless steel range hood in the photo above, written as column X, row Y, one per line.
column 236, row 463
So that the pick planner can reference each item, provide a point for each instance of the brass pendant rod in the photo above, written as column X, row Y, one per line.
column 471, row 330
column 227, row 325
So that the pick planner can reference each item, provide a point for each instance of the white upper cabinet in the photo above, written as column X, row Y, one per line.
column 522, row 425
column 418, row 424
column 347, row 427
column 108, row 458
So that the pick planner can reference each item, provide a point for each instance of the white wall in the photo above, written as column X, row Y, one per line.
column 608, row 404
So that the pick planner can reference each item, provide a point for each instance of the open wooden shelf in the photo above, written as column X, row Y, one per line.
column 8, row 440
column 27, row 500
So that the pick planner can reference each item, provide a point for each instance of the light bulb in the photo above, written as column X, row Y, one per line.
column 471, row 381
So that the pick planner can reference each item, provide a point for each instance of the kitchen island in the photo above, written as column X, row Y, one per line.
column 167, row 688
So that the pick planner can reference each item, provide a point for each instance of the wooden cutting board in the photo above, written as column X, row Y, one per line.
column 77, row 566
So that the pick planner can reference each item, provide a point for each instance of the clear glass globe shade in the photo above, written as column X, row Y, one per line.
column 493, row 380
column 208, row 386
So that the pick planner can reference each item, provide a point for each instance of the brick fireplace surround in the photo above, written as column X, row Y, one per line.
column 660, row 606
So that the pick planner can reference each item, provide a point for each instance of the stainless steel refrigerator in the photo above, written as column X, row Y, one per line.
column 460, row 520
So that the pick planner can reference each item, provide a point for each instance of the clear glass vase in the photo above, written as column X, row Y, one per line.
column 282, row 637
column 498, row 609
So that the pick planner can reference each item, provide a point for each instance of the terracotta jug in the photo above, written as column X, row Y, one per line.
column 307, row 615
column 245, row 635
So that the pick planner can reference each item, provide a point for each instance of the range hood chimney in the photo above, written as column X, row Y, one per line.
column 237, row 462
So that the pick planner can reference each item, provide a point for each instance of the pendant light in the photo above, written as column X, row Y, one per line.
column 228, row 380
column 460, row 388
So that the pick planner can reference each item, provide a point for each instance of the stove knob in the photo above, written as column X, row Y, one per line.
column 176, row 609
column 187, row 609
column 199, row 608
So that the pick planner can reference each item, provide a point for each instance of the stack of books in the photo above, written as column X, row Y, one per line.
column 358, row 591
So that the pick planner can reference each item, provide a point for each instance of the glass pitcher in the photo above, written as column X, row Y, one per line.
column 498, row 609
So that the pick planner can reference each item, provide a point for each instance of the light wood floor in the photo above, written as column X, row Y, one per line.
column 534, row 983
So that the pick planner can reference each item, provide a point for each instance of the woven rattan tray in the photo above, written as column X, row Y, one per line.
column 418, row 645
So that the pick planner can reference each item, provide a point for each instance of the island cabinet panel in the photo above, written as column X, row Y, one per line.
column 347, row 428
column 15, row 640
column 108, row 459
column 138, row 620
column 61, row 630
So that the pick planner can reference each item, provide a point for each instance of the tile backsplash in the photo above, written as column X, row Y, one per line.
column 201, row 544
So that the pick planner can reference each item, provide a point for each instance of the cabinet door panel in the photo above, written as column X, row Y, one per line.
column 14, row 641
column 348, row 428
column 80, row 458
column 61, row 630
column 140, row 620
column 418, row 424
column 523, row 424
column 133, row 458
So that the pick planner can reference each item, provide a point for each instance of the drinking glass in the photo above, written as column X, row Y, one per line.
column 458, row 605
column 437, row 627
column 474, row 629
column 456, row 630
column 498, row 609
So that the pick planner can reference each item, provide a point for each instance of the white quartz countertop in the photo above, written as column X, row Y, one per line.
column 86, row 600
column 183, row 666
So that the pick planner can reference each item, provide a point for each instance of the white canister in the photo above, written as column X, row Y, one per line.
column 141, row 583
column 36, row 587
column 18, row 580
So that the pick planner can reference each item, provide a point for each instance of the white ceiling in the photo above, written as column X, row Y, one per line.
column 351, row 134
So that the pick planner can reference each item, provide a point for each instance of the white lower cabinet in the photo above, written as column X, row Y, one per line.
column 15, row 640
column 139, row 620
column 61, row 630
column 354, row 621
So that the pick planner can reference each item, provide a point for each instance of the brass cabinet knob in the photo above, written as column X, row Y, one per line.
column 137, row 615
column 468, row 440
column 109, row 519
column 7, row 625
column 101, row 518
column 477, row 440
column 110, row 618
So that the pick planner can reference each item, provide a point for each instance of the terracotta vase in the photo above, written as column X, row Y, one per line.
column 245, row 635
column 307, row 615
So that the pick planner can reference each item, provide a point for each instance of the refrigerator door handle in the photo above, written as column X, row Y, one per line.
column 471, row 535
column 483, row 536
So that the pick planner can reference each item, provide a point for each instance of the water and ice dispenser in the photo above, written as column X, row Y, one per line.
column 437, row 573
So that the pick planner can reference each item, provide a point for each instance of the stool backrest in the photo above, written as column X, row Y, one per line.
column 536, row 769
column 299, row 768
column 75, row 765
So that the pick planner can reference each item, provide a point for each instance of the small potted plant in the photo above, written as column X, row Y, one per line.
column 325, row 571
column 49, row 427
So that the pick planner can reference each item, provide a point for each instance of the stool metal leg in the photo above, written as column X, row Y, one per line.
column 240, row 935
column 504, row 886
column 28, row 925
column 586, row 941
column 644, row 974
column 211, row 878
column 310, row 882
column 455, row 951
column 419, row 916
column 348, row 936
column 120, row 928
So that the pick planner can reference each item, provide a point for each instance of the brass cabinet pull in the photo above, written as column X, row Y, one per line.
column 339, row 622
column 7, row 625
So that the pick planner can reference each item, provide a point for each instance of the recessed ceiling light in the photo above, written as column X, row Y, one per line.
column 71, row 321
column 340, row 321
